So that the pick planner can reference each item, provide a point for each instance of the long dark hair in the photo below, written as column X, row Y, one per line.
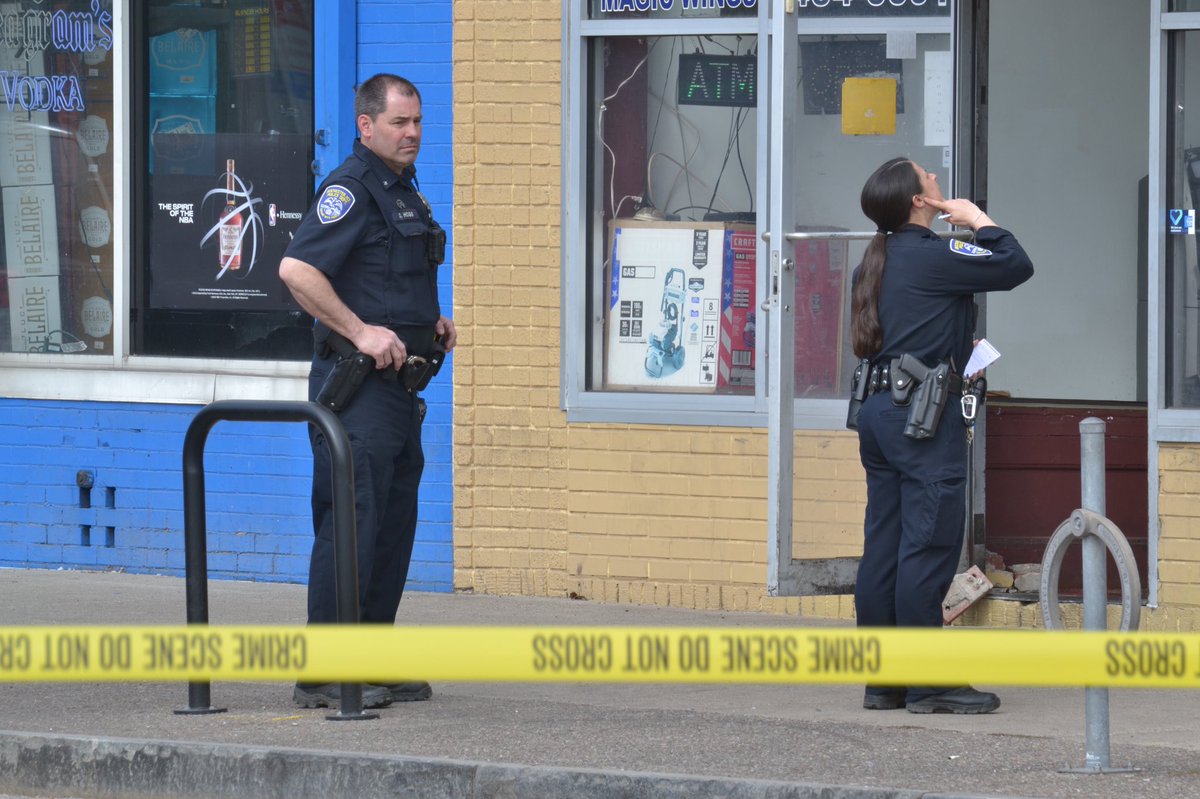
column 887, row 201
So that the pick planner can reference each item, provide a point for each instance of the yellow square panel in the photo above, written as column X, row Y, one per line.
column 869, row 106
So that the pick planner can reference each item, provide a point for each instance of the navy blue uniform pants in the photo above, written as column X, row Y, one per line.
column 384, row 427
column 916, row 508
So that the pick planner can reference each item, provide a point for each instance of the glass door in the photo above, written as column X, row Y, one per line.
column 853, row 85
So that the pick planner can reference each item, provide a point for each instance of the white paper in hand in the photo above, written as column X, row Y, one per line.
column 983, row 356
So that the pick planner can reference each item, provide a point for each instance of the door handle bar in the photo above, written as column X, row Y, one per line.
column 851, row 235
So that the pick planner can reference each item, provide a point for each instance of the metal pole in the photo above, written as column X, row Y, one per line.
column 853, row 235
column 1095, row 583
column 195, row 546
column 345, row 547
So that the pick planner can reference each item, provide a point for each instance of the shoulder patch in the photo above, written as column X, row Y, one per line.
column 966, row 248
column 336, row 201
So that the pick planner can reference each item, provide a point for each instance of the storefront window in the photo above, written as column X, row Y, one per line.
column 56, row 173
column 673, row 193
column 673, row 166
column 222, row 164
column 862, row 100
column 1182, row 183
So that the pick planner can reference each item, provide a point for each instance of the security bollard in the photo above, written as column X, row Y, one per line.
column 1099, row 537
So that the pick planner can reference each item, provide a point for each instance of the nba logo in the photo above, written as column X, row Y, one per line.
column 271, row 214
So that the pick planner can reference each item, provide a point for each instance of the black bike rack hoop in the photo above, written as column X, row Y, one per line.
column 195, row 530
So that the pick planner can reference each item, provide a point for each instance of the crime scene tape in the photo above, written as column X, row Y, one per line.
column 365, row 653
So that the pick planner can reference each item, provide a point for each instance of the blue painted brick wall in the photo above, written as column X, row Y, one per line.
column 415, row 39
column 258, row 475
column 257, row 482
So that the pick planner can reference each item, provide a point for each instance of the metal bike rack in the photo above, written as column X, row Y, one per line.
column 195, row 529
column 1099, row 536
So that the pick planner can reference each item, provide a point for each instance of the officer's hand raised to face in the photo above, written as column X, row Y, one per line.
column 960, row 212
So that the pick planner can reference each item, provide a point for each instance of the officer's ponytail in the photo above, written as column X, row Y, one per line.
column 887, row 201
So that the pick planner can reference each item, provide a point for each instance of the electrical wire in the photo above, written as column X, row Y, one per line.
column 735, row 127
column 745, row 177
column 682, row 171
column 612, row 190
column 687, row 157
column 647, row 193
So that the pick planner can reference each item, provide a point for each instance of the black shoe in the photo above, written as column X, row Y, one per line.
column 330, row 695
column 884, row 700
column 956, row 700
column 408, row 691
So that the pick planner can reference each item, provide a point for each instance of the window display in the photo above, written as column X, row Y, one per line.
column 227, row 144
column 675, row 162
column 56, row 177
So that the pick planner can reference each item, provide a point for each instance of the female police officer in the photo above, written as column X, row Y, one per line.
column 913, row 295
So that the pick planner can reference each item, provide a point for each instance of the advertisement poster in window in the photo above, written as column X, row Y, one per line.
column 223, row 209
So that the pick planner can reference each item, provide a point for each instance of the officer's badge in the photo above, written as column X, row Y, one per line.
column 335, row 203
column 966, row 248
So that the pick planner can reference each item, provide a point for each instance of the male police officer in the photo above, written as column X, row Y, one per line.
column 364, row 264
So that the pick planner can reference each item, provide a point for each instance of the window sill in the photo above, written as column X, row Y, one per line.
column 160, row 380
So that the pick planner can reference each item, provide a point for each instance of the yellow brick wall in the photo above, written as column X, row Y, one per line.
column 510, row 438
column 615, row 513
column 1179, row 526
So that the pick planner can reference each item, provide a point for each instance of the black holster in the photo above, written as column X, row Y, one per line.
column 344, row 380
column 858, row 392
column 925, row 391
column 351, row 368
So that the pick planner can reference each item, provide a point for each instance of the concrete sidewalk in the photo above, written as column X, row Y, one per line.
column 541, row 740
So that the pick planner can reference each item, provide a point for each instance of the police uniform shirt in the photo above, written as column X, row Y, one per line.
column 926, row 302
column 367, row 232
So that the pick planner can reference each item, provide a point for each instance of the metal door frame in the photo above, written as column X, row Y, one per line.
column 787, row 575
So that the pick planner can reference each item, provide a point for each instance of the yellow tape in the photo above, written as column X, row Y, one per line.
column 599, row 654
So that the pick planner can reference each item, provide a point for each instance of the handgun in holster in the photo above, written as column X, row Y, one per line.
column 418, row 370
column 858, row 392
column 348, row 373
column 925, row 390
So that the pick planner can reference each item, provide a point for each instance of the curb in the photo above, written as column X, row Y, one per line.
column 118, row 767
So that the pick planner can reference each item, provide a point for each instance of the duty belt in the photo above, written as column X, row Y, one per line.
column 880, row 378
column 415, row 373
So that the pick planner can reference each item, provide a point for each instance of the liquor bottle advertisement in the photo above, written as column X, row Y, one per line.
column 216, row 239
